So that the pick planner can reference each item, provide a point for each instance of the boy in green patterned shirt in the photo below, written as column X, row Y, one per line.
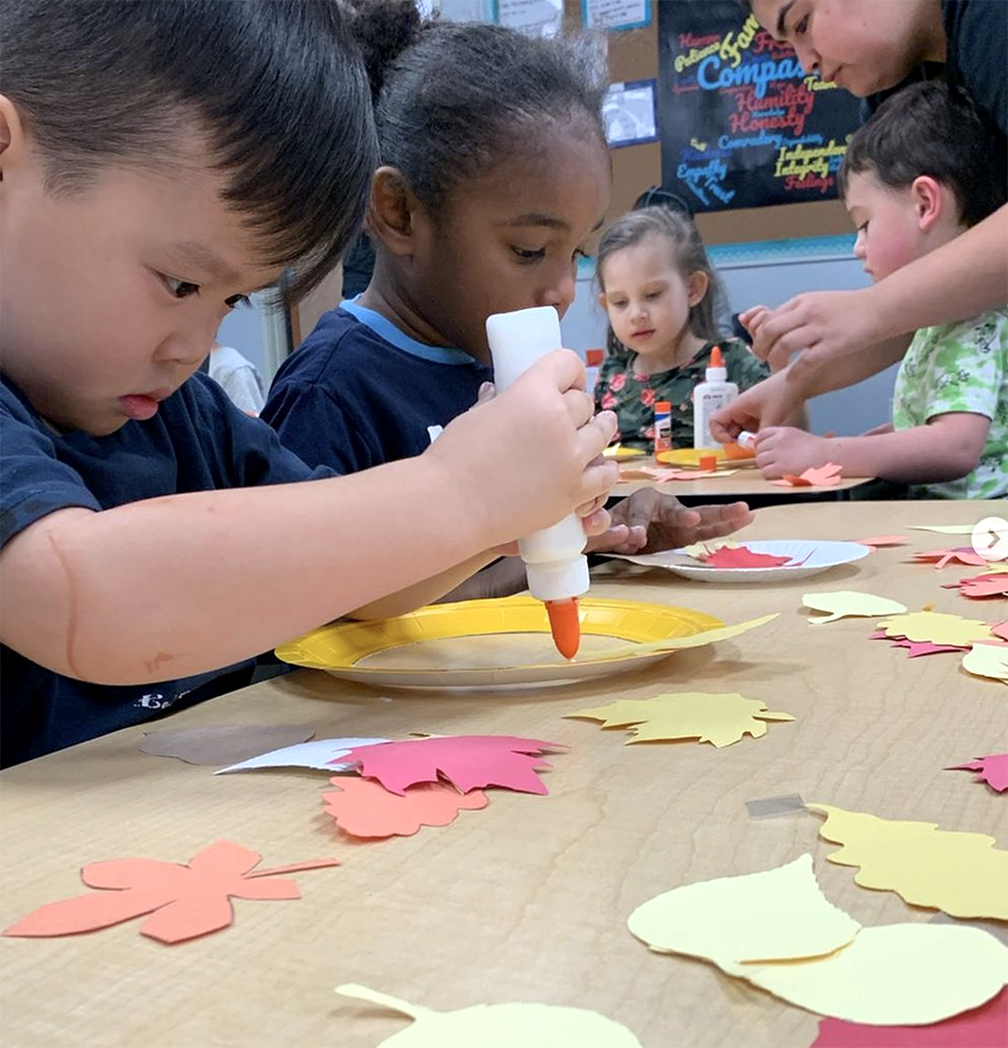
column 917, row 175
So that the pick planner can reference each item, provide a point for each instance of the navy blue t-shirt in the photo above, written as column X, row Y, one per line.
column 359, row 392
column 198, row 441
column 976, row 57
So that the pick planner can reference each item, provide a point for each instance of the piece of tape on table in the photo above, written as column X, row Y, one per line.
column 774, row 807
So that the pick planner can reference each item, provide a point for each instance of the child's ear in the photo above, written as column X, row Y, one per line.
column 928, row 200
column 11, row 133
column 392, row 210
column 602, row 301
column 697, row 286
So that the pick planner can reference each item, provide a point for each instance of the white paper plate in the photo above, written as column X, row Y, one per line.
column 821, row 556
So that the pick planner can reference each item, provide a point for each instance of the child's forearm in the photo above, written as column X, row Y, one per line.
column 174, row 586
column 451, row 584
column 920, row 455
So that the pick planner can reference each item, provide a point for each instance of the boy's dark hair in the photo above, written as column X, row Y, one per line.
column 688, row 256
column 276, row 87
column 933, row 129
column 452, row 98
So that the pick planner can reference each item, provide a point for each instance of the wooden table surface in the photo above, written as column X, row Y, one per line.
column 747, row 481
column 528, row 899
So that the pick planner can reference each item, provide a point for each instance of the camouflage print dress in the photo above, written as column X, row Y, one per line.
column 625, row 388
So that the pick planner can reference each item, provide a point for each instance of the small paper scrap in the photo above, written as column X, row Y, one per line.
column 699, row 550
column 184, row 901
column 827, row 476
column 840, row 604
column 880, row 541
column 364, row 808
column 718, row 719
column 962, row 874
column 1000, row 629
column 467, row 761
column 987, row 660
column 497, row 1025
column 776, row 915
column 983, row 1027
column 992, row 769
column 321, row 754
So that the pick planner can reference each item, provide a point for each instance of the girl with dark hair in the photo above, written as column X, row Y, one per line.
column 161, row 160
column 494, row 174
column 661, row 293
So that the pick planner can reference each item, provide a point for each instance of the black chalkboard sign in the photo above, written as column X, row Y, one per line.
column 741, row 124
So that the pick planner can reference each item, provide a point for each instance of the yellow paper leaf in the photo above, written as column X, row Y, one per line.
column 960, row 873
column 987, row 660
column 498, row 1025
column 696, row 640
column 840, row 604
column 720, row 719
column 773, row 915
column 699, row 550
column 937, row 627
column 894, row 975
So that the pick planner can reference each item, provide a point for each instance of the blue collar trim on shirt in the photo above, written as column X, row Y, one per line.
column 387, row 330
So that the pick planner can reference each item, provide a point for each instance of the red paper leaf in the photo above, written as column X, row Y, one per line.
column 742, row 557
column 960, row 554
column 977, row 587
column 916, row 648
column 878, row 541
column 185, row 901
column 467, row 761
column 983, row 1027
column 993, row 770
column 364, row 808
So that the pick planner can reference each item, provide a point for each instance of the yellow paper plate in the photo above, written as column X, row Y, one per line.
column 618, row 452
column 686, row 457
column 491, row 643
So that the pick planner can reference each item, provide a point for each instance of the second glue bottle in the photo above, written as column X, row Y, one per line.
column 710, row 396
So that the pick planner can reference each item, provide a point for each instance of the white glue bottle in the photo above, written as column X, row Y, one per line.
column 709, row 396
column 555, row 565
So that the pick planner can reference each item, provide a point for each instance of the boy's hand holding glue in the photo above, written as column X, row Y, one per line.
column 784, row 449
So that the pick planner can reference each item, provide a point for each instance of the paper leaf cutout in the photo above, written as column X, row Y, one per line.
column 1000, row 629
column 743, row 557
column 880, row 541
column 322, row 754
column 960, row 873
column 222, row 743
column 979, row 587
column 699, row 550
column 779, row 914
column 468, row 761
column 959, row 555
column 897, row 974
column 944, row 529
column 983, row 1027
column 720, row 719
column 916, row 648
column 185, row 901
column 993, row 770
column 657, row 475
column 987, row 660
column 364, row 808
column 936, row 627
column 695, row 640
column 839, row 604
column 826, row 476
column 498, row 1025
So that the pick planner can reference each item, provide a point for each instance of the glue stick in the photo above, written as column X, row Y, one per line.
column 555, row 564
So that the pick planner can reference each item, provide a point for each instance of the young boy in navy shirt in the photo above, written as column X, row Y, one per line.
column 160, row 161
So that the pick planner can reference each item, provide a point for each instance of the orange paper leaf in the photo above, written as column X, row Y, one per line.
column 364, row 808
column 816, row 477
column 959, row 554
column 185, row 901
column 878, row 541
